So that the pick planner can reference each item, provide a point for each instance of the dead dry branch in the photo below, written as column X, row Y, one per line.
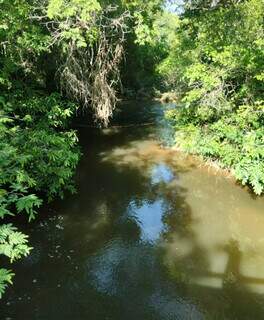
column 89, row 73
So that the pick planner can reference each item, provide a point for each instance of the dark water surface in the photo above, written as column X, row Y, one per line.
column 150, row 235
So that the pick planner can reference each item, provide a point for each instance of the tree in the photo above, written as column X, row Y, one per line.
column 215, row 65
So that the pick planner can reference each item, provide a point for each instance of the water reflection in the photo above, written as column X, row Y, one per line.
column 150, row 235
column 108, row 273
column 149, row 218
column 161, row 173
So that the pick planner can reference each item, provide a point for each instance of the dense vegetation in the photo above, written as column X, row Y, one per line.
column 60, row 56
column 215, row 66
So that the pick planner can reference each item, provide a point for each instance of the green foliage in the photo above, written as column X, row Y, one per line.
column 143, row 52
column 20, row 52
column 72, row 8
column 30, row 140
column 235, row 140
column 27, row 203
column 65, row 13
column 5, row 279
column 14, row 245
column 215, row 63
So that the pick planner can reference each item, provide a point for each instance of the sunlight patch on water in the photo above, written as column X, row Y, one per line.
column 141, row 154
column 225, row 236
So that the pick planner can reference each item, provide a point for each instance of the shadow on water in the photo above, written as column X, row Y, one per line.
column 140, row 239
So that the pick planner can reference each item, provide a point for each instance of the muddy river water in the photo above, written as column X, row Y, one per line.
column 150, row 234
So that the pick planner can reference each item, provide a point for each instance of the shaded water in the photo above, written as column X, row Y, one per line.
column 150, row 234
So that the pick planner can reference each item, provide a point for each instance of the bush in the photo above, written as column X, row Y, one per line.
column 236, row 140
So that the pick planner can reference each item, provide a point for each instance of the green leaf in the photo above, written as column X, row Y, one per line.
column 5, row 279
column 28, row 203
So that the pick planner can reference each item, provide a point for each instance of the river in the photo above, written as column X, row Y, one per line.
column 150, row 234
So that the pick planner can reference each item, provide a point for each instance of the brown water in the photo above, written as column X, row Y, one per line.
column 151, row 234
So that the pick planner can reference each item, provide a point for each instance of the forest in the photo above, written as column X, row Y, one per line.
column 63, row 59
